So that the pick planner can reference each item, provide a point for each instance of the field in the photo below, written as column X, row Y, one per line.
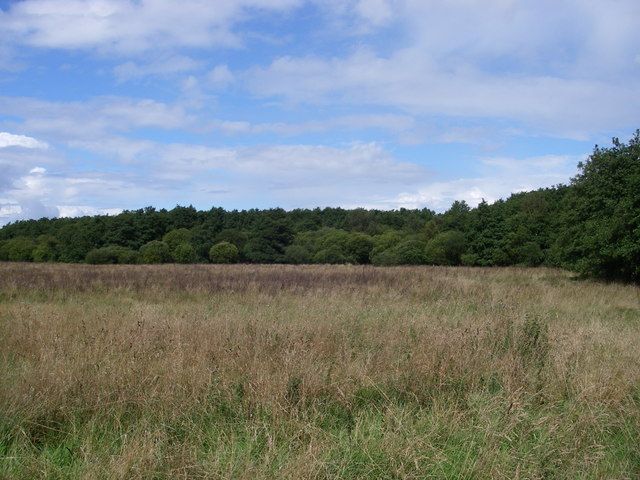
column 316, row 372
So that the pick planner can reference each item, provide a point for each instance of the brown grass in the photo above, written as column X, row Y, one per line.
column 316, row 372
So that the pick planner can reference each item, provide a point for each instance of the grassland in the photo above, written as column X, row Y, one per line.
column 316, row 372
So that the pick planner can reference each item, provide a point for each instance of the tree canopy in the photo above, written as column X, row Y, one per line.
column 591, row 225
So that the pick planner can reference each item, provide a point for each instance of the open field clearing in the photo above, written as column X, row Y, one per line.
column 316, row 372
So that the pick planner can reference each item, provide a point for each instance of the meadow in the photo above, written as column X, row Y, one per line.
column 314, row 372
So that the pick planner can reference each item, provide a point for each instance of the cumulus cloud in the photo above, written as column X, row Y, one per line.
column 11, row 140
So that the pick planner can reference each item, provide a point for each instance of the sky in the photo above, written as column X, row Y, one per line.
column 108, row 105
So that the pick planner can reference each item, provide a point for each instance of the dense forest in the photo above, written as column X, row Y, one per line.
column 591, row 226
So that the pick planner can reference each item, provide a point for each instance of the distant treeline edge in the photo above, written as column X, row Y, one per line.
column 591, row 226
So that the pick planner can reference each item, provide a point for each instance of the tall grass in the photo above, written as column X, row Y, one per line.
column 316, row 372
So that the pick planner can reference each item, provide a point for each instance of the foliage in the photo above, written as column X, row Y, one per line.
column 297, row 254
column 155, row 251
column 331, row 254
column 46, row 249
column 602, row 214
column 446, row 248
column 177, row 237
column 18, row 249
column 111, row 255
column 224, row 252
column 185, row 253
column 407, row 252
column 591, row 226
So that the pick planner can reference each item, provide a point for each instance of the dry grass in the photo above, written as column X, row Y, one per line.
column 316, row 372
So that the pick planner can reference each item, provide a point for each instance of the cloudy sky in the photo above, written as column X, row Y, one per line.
column 114, row 104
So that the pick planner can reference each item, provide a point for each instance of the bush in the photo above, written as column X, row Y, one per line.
column 177, row 237
column 359, row 247
column 446, row 248
column 332, row 254
column 530, row 254
column 385, row 241
column 297, row 254
column 408, row 252
column 184, row 253
column 46, row 249
column 155, row 252
column 43, row 253
column 19, row 249
column 111, row 255
column 224, row 252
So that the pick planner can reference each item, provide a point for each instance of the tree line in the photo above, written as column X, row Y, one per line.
column 591, row 225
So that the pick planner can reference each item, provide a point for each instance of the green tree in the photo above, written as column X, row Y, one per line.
column 268, row 242
column 185, row 253
column 76, row 239
column 177, row 237
column 19, row 249
column 601, row 215
column 446, row 248
column 155, row 251
column 385, row 241
column 111, row 254
column 359, row 247
column 297, row 254
column 43, row 253
column 407, row 252
column 46, row 249
column 224, row 252
column 332, row 254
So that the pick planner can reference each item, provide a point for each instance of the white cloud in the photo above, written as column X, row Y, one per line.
column 95, row 118
column 127, row 26
column 376, row 12
column 500, row 177
column 411, row 82
column 562, row 67
column 220, row 76
column 11, row 140
column 282, row 166
column 82, row 210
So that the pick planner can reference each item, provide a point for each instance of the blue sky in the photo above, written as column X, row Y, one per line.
column 114, row 104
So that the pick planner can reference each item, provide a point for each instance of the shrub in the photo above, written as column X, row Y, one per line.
column 19, row 249
column 529, row 254
column 385, row 241
column 332, row 254
column 177, row 237
column 224, row 252
column 43, row 253
column 184, row 253
column 297, row 254
column 408, row 252
column 446, row 248
column 46, row 249
column 111, row 254
column 155, row 252
column 359, row 247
